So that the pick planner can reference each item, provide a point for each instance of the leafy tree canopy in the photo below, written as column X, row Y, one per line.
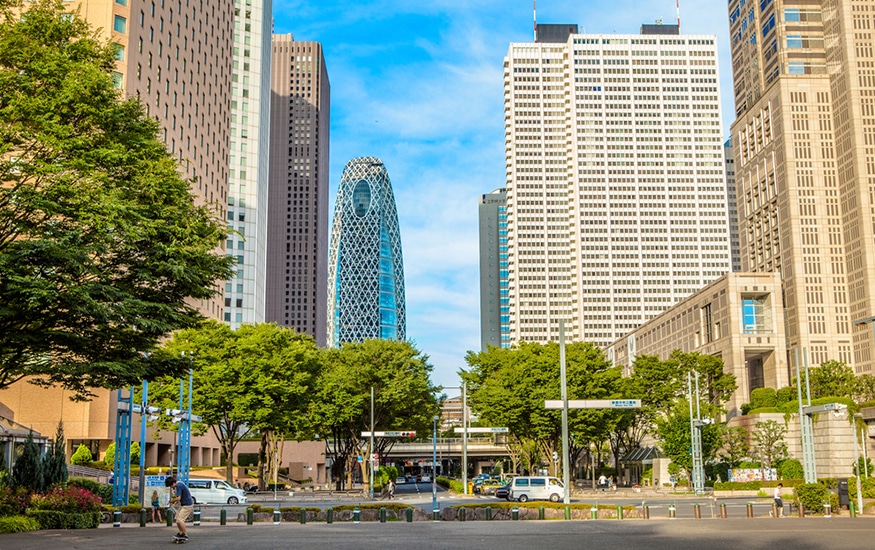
column 103, row 251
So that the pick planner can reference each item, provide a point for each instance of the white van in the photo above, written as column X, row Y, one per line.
column 525, row 488
column 215, row 491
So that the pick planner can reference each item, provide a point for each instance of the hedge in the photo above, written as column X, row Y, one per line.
column 755, row 485
column 451, row 484
column 51, row 519
column 18, row 524
column 537, row 504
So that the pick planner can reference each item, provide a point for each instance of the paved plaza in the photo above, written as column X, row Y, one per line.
column 712, row 534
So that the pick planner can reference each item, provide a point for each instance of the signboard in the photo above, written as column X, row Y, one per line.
column 482, row 430
column 594, row 404
column 390, row 434
column 155, row 481
column 753, row 474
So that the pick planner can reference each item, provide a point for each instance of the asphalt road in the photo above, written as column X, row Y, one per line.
column 730, row 534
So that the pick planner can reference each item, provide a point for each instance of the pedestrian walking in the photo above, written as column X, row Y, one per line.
column 779, row 501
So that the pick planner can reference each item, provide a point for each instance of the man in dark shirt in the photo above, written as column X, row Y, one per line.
column 186, row 504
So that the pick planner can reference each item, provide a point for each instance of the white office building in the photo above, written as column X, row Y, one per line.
column 249, row 155
column 616, row 192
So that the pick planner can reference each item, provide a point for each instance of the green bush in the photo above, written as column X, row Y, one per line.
column 764, row 410
column 102, row 490
column 792, row 407
column 451, row 484
column 247, row 459
column 785, row 395
column 763, row 397
column 53, row 519
column 868, row 484
column 790, row 469
column 82, row 456
column 812, row 496
column 13, row 502
column 18, row 524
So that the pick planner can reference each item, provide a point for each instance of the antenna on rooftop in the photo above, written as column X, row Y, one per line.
column 677, row 5
column 535, row 18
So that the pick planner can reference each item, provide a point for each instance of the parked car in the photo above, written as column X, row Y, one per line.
column 215, row 491
column 525, row 488
column 502, row 491
column 426, row 479
column 400, row 480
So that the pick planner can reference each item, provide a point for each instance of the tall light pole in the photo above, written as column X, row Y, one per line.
column 143, row 412
column 371, row 449
column 566, row 475
column 859, row 469
column 464, row 388
column 434, row 507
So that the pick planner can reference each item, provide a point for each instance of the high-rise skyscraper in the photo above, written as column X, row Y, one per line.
column 804, row 144
column 250, row 135
column 732, row 203
column 616, row 195
column 366, row 267
column 297, row 246
column 494, row 301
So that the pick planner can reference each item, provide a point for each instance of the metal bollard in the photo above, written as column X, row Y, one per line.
column 774, row 512
column 169, row 517
column 540, row 512
column 646, row 510
column 672, row 514
column 594, row 512
column 852, row 508
column 116, row 518
column 250, row 516
column 436, row 515
column 619, row 512
column 750, row 509
column 329, row 515
column 142, row 517
column 197, row 517
column 697, row 511
column 515, row 513
column 356, row 515
column 827, row 510
column 489, row 513
column 801, row 510
column 223, row 517
column 567, row 512
column 463, row 514
column 409, row 515
column 276, row 517
column 723, row 510
column 303, row 516
column 382, row 514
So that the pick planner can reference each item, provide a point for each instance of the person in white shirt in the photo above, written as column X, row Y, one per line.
column 779, row 502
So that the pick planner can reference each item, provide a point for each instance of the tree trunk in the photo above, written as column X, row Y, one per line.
column 262, row 459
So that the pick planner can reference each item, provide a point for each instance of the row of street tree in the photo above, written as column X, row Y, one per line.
column 269, row 382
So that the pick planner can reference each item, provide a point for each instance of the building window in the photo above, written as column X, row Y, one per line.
column 119, row 52
column 707, row 324
column 119, row 24
column 755, row 315
column 121, row 2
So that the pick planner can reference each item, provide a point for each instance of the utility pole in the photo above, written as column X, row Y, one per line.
column 566, row 475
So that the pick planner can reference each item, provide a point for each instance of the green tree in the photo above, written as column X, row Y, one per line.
column 508, row 388
column 103, row 251
column 734, row 445
column 831, row 379
column 865, row 388
column 28, row 469
column 55, row 460
column 82, row 456
column 675, row 437
column 258, row 377
column 404, row 399
column 109, row 455
column 769, row 446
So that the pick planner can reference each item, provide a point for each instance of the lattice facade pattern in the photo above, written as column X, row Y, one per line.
column 366, row 267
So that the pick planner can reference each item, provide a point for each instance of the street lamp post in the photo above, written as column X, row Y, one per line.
column 434, row 507
column 859, row 472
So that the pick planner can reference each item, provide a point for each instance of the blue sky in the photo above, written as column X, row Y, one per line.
column 419, row 84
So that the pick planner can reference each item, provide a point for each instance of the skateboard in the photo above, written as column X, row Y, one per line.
column 179, row 540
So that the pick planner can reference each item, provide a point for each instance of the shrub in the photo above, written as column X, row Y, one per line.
column 109, row 455
column 812, row 496
column 82, row 456
column 102, row 490
column 18, row 524
column 868, row 484
column 13, row 502
column 785, row 395
column 451, row 484
column 790, row 469
column 53, row 519
column 69, row 499
column 763, row 397
column 28, row 469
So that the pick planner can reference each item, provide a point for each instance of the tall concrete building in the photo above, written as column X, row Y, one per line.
column 366, row 296
column 804, row 144
column 173, row 55
column 297, row 245
column 616, row 193
column 248, row 171
column 494, row 300
column 732, row 203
